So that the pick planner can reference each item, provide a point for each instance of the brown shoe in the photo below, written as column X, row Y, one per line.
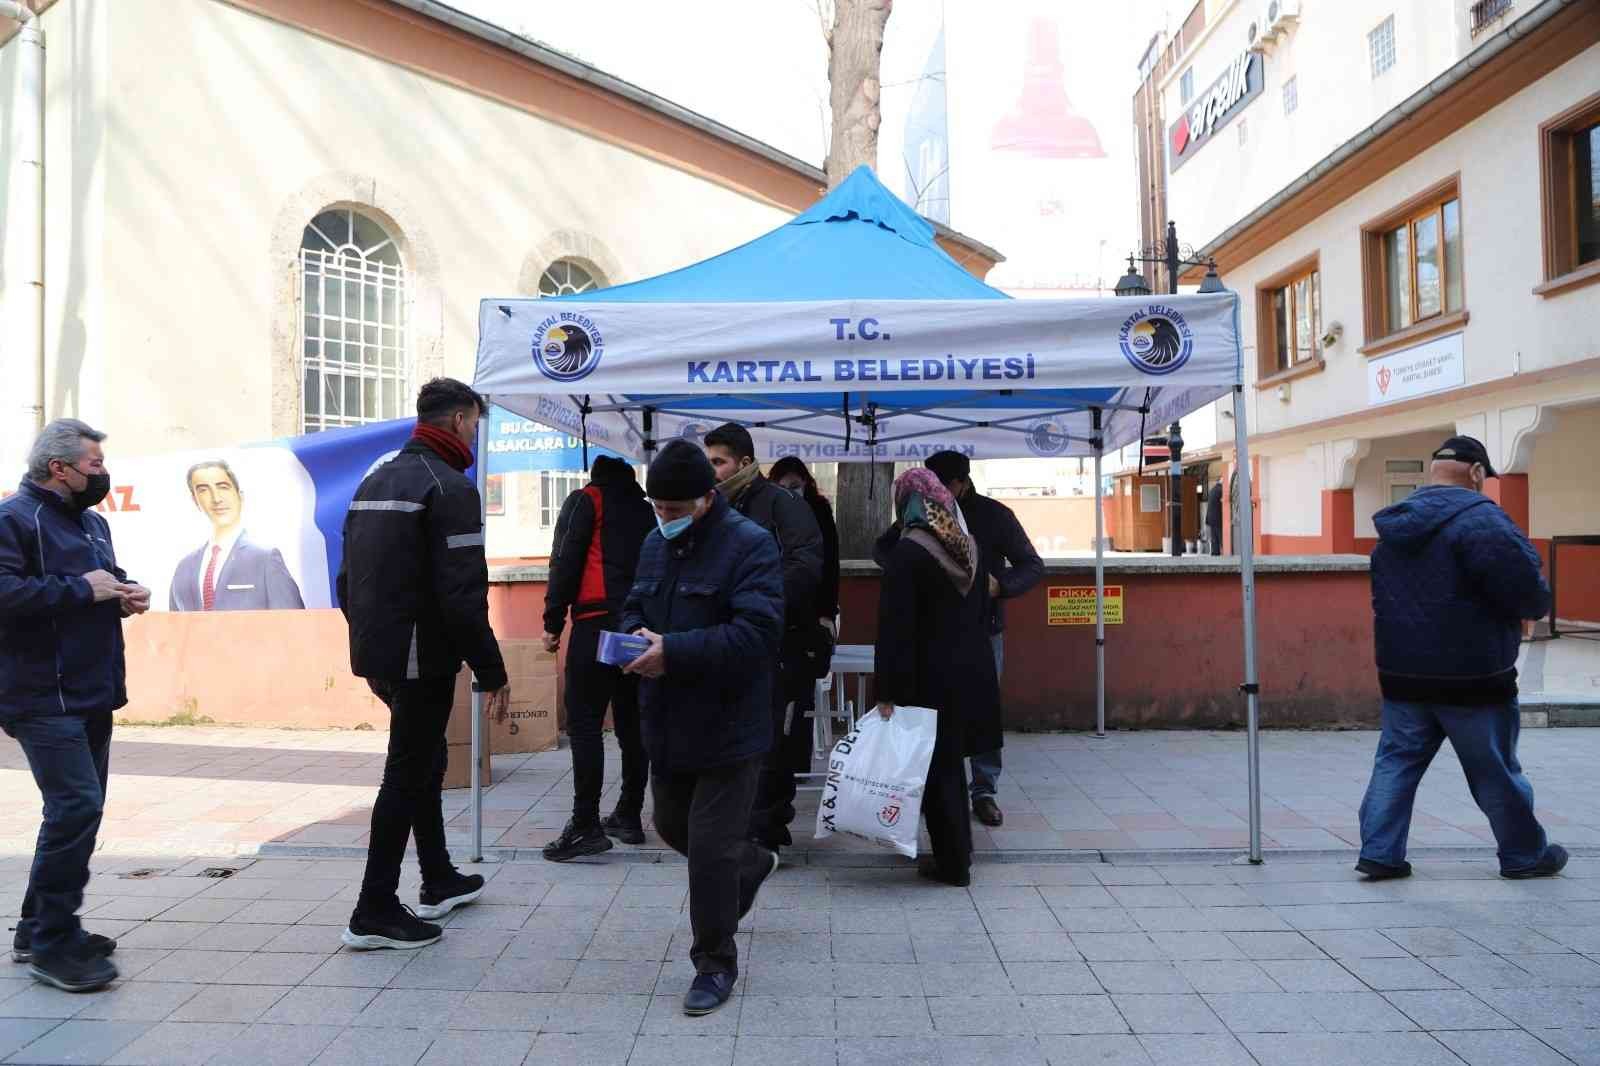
column 987, row 811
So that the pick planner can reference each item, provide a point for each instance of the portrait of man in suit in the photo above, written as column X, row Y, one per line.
column 229, row 572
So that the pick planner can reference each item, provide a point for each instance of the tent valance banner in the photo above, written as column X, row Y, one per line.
column 860, row 380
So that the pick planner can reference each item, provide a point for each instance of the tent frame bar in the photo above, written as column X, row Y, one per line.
column 1245, row 546
column 1099, row 583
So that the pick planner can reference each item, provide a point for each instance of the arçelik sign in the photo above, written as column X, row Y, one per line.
column 1216, row 107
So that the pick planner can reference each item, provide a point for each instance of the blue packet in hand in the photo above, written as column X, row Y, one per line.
column 620, row 649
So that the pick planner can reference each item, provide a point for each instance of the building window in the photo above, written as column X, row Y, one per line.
column 564, row 277
column 1289, row 317
column 354, row 362
column 554, row 488
column 1412, row 265
column 1244, row 131
column 1402, row 477
column 1291, row 96
column 1186, row 87
column 1380, row 43
column 1570, row 158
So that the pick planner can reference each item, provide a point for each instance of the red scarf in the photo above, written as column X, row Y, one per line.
column 447, row 445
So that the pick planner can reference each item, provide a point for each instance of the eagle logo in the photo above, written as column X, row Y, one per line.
column 1156, row 341
column 1047, row 438
column 567, row 350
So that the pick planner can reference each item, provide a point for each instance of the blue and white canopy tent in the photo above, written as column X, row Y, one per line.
column 848, row 335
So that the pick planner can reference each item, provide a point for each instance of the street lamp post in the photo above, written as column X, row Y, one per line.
column 1170, row 254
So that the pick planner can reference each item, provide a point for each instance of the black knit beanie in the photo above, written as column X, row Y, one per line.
column 680, row 471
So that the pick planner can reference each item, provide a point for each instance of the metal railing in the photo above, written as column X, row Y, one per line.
column 1485, row 12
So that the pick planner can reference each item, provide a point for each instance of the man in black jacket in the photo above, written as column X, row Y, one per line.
column 414, row 585
column 709, row 597
column 1214, row 516
column 62, row 674
column 791, row 523
column 592, row 560
column 1013, row 568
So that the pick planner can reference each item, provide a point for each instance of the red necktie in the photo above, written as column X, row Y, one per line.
column 208, row 587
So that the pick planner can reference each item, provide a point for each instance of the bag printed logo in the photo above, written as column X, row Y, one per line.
column 889, row 815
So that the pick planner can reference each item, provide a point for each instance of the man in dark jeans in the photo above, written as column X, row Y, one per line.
column 1013, row 568
column 62, row 601
column 794, row 527
column 1453, row 580
column 592, row 559
column 414, row 585
column 709, row 597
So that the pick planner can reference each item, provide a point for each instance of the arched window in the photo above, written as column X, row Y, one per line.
column 355, row 363
column 564, row 277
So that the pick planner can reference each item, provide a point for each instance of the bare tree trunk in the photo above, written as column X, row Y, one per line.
column 855, row 46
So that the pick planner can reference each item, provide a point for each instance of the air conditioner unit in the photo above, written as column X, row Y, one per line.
column 1254, row 39
column 1282, row 16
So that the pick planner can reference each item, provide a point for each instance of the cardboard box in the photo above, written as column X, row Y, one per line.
column 530, row 722
column 458, row 769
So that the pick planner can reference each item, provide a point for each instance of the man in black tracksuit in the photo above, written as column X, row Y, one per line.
column 592, row 562
column 414, row 586
column 1013, row 568
column 789, row 519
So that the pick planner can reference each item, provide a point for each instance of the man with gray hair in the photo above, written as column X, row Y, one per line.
column 62, row 601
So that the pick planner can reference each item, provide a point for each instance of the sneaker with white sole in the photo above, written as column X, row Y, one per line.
column 397, row 928
column 436, row 901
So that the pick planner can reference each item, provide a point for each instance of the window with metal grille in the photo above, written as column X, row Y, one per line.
column 554, row 488
column 564, row 277
column 1291, row 96
column 1485, row 12
column 354, row 361
column 1380, row 43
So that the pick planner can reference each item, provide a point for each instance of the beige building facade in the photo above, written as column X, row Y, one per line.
column 271, row 216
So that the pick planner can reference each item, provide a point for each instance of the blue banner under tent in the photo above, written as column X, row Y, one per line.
column 848, row 335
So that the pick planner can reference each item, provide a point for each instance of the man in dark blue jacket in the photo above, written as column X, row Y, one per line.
column 1453, row 579
column 709, row 597
column 62, row 601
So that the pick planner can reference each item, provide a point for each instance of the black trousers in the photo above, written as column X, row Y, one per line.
column 703, row 815
column 944, row 800
column 408, row 802
column 70, row 756
column 591, row 687
column 791, row 753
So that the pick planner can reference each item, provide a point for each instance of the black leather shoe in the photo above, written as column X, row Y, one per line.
column 708, row 992
column 438, row 900
column 1553, row 862
column 576, row 841
column 931, row 869
column 74, row 971
column 626, row 826
column 1373, row 870
column 987, row 811
column 22, row 944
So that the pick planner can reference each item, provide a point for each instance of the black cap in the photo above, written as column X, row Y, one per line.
column 680, row 471
column 1466, row 450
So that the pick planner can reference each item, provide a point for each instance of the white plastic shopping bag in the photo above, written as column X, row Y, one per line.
column 876, row 777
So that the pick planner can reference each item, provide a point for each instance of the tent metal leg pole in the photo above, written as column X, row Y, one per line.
column 1099, row 588
column 477, row 697
column 1247, row 581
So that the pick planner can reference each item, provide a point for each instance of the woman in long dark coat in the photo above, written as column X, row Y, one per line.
column 933, row 651
column 792, row 474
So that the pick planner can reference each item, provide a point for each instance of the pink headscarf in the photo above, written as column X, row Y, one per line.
column 930, row 516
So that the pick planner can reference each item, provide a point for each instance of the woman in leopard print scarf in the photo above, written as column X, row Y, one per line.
column 930, row 516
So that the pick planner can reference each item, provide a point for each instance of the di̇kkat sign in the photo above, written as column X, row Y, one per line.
column 1073, row 605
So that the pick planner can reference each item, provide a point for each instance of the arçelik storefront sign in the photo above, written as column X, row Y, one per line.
column 1216, row 107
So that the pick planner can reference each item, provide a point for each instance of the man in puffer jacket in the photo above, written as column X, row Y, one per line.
column 1453, row 579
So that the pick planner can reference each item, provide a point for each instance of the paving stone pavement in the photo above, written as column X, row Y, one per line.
column 1292, row 962
column 227, row 791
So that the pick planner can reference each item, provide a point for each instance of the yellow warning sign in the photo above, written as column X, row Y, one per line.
column 1073, row 605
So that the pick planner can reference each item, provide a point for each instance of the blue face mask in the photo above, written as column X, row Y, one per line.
column 676, row 526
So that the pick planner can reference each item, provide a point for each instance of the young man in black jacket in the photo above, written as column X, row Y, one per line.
column 598, row 535
column 709, row 597
column 414, row 586
column 733, row 456
column 1013, row 568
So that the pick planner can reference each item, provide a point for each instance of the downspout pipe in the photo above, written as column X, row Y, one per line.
column 23, row 410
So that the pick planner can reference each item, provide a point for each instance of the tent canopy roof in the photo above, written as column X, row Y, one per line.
column 856, row 338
